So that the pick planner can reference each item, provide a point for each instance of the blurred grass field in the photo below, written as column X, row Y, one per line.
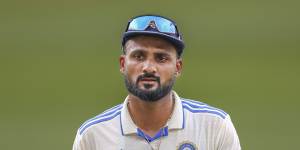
column 59, row 66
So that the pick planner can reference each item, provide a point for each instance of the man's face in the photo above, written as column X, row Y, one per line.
column 150, row 67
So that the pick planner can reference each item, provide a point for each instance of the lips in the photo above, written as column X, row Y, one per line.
column 148, row 79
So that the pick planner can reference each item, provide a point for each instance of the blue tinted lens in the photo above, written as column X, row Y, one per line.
column 163, row 25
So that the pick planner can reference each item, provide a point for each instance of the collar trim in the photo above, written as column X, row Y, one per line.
column 161, row 133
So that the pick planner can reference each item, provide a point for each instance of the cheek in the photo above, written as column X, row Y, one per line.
column 167, row 73
column 131, row 70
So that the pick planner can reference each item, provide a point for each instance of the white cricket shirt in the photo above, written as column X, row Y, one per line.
column 192, row 126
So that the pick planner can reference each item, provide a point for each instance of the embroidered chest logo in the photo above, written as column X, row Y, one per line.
column 186, row 145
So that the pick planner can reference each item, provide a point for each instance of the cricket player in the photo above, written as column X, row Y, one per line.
column 153, row 116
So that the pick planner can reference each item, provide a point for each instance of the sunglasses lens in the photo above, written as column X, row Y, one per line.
column 143, row 22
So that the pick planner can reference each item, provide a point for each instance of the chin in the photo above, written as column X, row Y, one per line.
column 150, row 89
column 147, row 90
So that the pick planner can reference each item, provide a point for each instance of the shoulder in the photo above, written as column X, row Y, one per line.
column 211, row 120
column 197, row 107
column 106, row 116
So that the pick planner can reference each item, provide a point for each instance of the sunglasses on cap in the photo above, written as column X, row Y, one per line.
column 153, row 23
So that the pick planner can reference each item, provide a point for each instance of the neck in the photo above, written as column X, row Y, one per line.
column 150, row 117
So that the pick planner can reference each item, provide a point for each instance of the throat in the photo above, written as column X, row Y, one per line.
column 150, row 121
column 151, row 117
column 151, row 126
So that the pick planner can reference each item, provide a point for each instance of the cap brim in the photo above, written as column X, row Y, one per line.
column 176, row 42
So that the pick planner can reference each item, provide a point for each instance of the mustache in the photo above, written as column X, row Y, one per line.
column 148, row 75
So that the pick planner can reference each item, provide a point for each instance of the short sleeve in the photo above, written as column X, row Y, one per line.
column 227, row 136
column 81, row 142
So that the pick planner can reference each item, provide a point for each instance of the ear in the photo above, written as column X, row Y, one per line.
column 122, row 63
column 178, row 67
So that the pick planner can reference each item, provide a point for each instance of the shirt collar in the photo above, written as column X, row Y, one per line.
column 127, row 124
column 176, row 121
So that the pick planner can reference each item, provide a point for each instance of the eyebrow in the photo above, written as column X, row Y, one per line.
column 162, row 54
column 139, row 50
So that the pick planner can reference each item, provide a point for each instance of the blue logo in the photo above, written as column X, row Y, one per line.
column 187, row 146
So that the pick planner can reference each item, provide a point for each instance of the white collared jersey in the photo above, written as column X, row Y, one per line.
column 192, row 126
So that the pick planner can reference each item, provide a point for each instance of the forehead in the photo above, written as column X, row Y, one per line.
column 149, row 43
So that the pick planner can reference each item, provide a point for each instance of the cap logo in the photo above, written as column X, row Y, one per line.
column 152, row 24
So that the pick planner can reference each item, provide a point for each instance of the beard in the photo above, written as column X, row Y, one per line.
column 149, row 95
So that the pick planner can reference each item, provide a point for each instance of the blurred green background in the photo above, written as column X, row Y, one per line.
column 59, row 66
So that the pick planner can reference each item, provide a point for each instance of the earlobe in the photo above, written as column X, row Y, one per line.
column 177, row 74
column 122, row 63
column 178, row 67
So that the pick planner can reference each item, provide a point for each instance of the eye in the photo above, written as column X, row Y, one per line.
column 138, row 56
column 162, row 58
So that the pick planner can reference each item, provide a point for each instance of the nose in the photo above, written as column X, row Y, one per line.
column 149, row 67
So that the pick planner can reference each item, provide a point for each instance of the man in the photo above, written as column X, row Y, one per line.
column 152, row 115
